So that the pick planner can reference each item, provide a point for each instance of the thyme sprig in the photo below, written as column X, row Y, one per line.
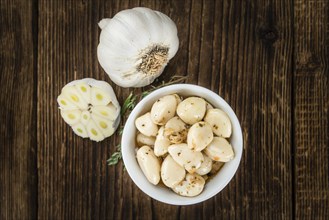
column 115, row 157
column 130, row 103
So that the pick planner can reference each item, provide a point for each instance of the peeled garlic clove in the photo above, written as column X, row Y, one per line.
column 192, row 185
column 191, row 110
column 109, row 111
column 65, row 103
column 161, row 143
column 93, row 131
column 199, row 136
column 136, row 45
column 171, row 172
column 178, row 98
column 71, row 116
column 145, row 125
column 149, row 164
column 80, row 130
column 175, row 130
column 208, row 106
column 220, row 122
column 190, row 160
column 84, row 90
column 144, row 140
column 163, row 109
column 76, row 104
column 219, row 150
column 216, row 166
column 105, row 126
column 74, row 96
column 205, row 167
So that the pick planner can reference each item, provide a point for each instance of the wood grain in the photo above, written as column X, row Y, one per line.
column 267, row 58
column 311, row 98
column 18, row 173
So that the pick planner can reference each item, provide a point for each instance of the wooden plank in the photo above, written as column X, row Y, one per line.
column 311, row 89
column 251, row 66
column 75, row 181
column 18, row 177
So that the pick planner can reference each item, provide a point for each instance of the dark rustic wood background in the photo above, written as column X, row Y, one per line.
column 267, row 58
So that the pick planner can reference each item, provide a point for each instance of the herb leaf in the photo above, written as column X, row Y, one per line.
column 115, row 157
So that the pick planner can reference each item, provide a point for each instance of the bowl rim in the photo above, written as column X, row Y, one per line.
column 130, row 166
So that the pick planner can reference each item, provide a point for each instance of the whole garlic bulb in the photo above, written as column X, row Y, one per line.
column 136, row 45
column 90, row 107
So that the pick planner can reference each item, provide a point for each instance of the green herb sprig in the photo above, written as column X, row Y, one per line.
column 129, row 104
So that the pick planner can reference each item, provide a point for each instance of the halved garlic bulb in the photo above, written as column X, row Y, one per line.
column 136, row 45
column 90, row 107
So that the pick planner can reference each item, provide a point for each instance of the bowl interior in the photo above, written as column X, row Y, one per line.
column 163, row 194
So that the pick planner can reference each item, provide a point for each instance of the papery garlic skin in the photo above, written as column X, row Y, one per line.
column 136, row 45
column 90, row 107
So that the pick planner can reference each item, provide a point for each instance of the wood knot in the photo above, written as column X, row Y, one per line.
column 268, row 35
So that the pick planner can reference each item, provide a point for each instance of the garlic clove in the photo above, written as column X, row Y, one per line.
column 84, row 90
column 109, row 111
column 175, row 130
column 199, row 136
column 65, row 103
column 220, row 122
column 85, row 117
column 205, row 167
column 191, row 110
column 117, row 42
column 104, row 125
column 190, row 160
column 99, row 97
column 152, row 21
column 163, row 109
column 216, row 166
column 171, row 172
column 142, row 140
column 220, row 150
column 80, row 130
column 192, row 185
column 149, row 164
column 71, row 116
column 145, row 125
column 74, row 96
column 161, row 143
column 134, row 21
column 208, row 106
column 168, row 26
column 93, row 131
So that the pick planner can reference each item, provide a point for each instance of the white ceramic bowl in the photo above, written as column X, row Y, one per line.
column 163, row 194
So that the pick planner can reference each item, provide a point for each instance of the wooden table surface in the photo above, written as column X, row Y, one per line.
column 267, row 58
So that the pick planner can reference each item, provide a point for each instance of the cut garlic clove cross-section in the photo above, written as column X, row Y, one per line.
column 84, row 90
column 109, row 111
column 85, row 117
column 99, row 97
column 94, row 132
column 65, row 104
column 104, row 125
column 74, row 96
column 80, row 130
column 71, row 116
